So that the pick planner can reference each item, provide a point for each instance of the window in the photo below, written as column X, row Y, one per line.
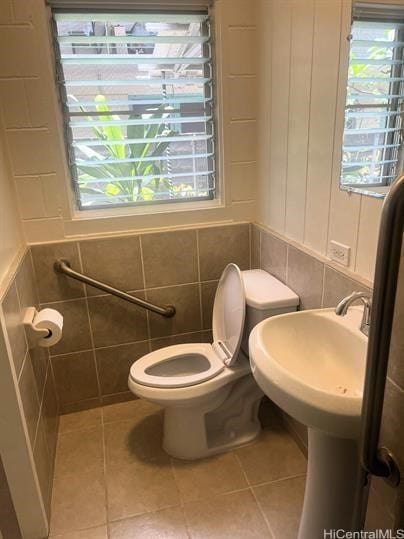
column 374, row 106
column 137, row 95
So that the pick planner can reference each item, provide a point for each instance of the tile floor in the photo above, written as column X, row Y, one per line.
column 113, row 480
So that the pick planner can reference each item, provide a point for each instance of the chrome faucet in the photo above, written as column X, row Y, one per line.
column 343, row 306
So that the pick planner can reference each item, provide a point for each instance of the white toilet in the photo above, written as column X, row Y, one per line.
column 210, row 397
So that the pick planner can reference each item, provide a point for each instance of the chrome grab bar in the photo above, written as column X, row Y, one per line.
column 63, row 266
column 377, row 461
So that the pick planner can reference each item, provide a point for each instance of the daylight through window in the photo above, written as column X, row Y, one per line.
column 373, row 115
column 138, row 106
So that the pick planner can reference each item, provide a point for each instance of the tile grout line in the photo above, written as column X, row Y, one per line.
column 259, row 248
column 249, row 244
column 135, row 291
column 104, row 454
column 154, row 339
column 182, row 502
column 91, row 331
column 199, row 279
column 267, row 523
column 181, row 499
column 323, row 286
column 148, row 322
column 251, row 489
column 280, row 480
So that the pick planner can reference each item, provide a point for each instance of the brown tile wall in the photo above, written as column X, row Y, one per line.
column 317, row 284
column 34, row 373
column 103, row 335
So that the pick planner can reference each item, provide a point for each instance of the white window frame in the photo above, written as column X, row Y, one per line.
column 124, row 214
column 368, row 11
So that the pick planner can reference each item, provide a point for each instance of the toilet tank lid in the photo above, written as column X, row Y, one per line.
column 264, row 291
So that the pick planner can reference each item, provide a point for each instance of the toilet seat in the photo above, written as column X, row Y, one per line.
column 191, row 364
column 180, row 365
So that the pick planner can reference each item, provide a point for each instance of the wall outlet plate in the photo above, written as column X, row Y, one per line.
column 340, row 253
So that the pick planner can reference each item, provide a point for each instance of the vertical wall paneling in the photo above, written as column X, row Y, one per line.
column 369, row 221
column 327, row 30
column 281, row 42
column 299, row 117
column 344, row 207
column 302, row 88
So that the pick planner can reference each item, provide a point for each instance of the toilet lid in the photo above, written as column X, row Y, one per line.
column 229, row 314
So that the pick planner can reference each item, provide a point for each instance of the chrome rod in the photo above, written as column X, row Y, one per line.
column 375, row 460
column 63, row 266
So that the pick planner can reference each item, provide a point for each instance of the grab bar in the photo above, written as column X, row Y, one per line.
column 63, row 266
column 377, row 461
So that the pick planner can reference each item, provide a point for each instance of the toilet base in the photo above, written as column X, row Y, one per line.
column 228, row 419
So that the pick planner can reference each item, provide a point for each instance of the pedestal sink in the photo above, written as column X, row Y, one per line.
column 312, row 365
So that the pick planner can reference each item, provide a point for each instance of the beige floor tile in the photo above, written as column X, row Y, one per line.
column 207, row 477
column 135, row 409
column 232, row 516
column 78, row 502
column 282, row 504
column 80, row 420
column 129, row 441
column 275, row 455
column 94, row 533
column 140, row 487
column 167, row 524
column 79, row 451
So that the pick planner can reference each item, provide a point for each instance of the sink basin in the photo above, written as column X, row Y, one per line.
column 312, row 364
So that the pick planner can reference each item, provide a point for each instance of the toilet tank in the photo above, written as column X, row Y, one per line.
column 266, row 296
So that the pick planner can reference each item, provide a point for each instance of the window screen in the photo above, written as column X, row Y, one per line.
column 374, row 106
column 137, row 95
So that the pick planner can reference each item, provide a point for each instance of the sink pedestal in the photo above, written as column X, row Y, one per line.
column 333, row 486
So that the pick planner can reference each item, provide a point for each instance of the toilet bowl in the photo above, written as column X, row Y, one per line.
column 209, row 396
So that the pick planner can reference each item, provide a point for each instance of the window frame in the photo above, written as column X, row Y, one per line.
column 215, row 197
column 395, row 104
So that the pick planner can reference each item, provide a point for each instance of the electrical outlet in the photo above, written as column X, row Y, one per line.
column 340, row 253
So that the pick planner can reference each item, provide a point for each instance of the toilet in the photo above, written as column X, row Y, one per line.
column 208, row 393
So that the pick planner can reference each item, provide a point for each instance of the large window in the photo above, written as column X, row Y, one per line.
column 137, row 96
column 373, row 115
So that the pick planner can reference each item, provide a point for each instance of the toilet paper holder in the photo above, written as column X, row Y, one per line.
column 33, row 333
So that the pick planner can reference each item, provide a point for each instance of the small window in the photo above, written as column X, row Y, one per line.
column 137, row 96
column 373, row 134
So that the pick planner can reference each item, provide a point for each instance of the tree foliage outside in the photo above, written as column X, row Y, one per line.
column 367, row 106
column 137, row 173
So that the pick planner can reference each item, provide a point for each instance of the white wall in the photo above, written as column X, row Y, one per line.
column 11, row 241
column 34, row 134
column 282, row 68
column 305, row 66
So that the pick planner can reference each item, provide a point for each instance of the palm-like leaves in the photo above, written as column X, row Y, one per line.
column 121, row 173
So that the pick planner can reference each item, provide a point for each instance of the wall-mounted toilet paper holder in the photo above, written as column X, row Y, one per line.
column 33, row 333
column 43, row 328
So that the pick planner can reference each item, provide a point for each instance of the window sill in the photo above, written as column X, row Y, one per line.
column 371, row 191
column 142, row 211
